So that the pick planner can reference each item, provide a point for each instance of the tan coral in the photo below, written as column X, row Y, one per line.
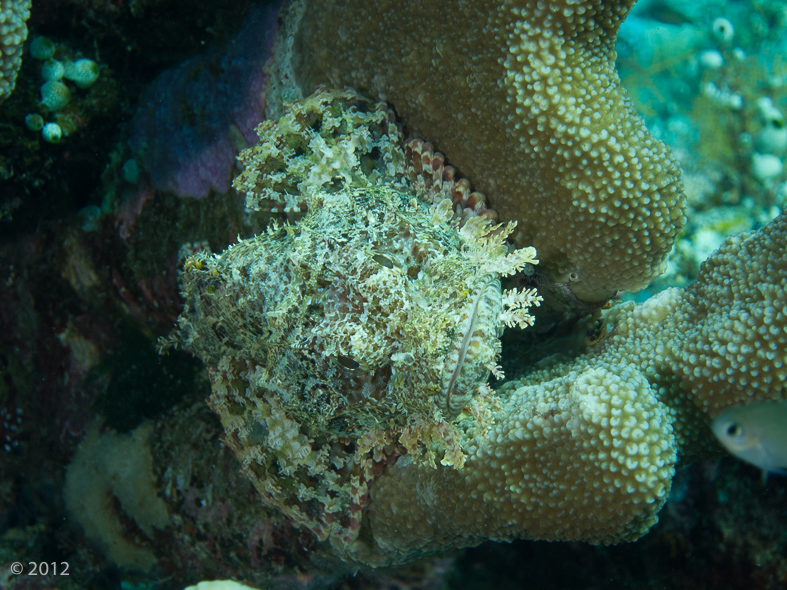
column 588, row 456
column 13, row 32
column 523, row 97
column 734, row 353
column 719, row 343
column 349, row 354
column 586, row 448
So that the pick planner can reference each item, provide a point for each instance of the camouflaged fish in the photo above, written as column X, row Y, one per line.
column 360, row 333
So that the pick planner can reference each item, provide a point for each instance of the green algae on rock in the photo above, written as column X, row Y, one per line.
column 365, row 331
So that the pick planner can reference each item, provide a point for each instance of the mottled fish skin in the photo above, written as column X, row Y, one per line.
column 756, row 433
column 360, row 332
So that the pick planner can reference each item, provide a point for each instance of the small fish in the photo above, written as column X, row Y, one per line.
column 756, row 433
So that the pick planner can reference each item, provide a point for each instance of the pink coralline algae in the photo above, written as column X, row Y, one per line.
column 194, row 119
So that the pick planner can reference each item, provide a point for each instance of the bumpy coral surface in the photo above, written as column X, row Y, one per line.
column 734, row 353
column 13, row 32
column 349, row 354
column 523, row 97
column 720, row 343
column 586, row 449
column 355, row 336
